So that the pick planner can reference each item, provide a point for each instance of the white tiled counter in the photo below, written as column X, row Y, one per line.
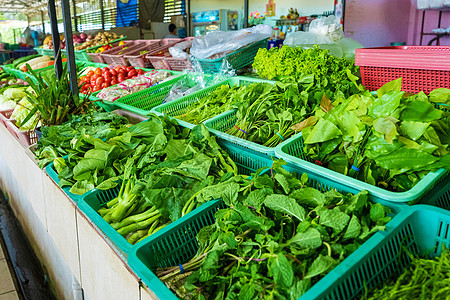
column 65, row 241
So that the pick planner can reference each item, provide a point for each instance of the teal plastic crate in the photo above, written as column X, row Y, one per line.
column 247, row 163
column 421, row 229
column 237, row 59
column 143, row 101
column 181, row 106
column 176, row 244
column 440, row 196
column 51, row 172
column 291, row 151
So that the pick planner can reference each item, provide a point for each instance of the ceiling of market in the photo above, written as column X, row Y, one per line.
column 27, row 7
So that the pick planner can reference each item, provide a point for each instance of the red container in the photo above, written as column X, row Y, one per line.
column 26, row 138
column 422, row 68
column 5, row 115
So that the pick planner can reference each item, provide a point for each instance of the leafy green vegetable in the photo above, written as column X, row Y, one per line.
column 329, row 74
column 56, row 140
column 279, row 248
column 391, row 141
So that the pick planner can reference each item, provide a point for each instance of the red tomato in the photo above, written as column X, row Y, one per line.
column 95, row 89
column 99, row 81
column 113, row 72
column 113, row 82
column 113, row 78
column 117, row 68
column 95, row 77
column 122, row 73
column 90, row 73
column 140, row 72
column 121, row 78
column 132, row 73
column 105, row 70
column 106, row 75
column 105, row 85
column 130, row 68
column 98, row 71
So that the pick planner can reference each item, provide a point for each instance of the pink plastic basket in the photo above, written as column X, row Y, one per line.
column 158, row 46
column 179, row 64
column 5, row 115
column 97, row 58
column 172, row 63
column 159, row 62
column 422, row 68
column 112, row 56
column 26, row 138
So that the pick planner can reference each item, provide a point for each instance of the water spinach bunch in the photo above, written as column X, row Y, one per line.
column 275, row 239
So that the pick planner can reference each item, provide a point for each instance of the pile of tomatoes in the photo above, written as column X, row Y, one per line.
column 103, row 78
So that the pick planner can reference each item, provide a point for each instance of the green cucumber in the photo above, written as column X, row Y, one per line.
column 21, row 60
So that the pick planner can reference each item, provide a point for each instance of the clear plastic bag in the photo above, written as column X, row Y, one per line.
column 329, row 27
column 217, row 44
column 196, row 80
column 309, row 39
column 348, row 47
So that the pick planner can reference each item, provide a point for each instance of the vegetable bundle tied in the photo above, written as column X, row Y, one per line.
column 275, row 240
column 392, row 140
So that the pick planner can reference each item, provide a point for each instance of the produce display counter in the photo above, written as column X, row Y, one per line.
column 64, row 240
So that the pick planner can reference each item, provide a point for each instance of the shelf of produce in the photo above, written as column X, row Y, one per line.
column 176, row 244
column 64, row 240
column 291, row 151
column 247, row 162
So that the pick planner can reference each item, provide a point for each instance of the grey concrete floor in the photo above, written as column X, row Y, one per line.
column 21, row 275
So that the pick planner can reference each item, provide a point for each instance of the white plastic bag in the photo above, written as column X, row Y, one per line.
column 177, row 51
column 329, row 26
column 216, row 44
column 309, row 39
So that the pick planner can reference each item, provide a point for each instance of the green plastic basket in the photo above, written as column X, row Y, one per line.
column 143, row 101
column 291, row 151
column 176, row 244
column 421, row 229
column 48, row 52
column 51, row 172
column 440, row 196
column 181, row 106
column 247, row 163
column 237, row 59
